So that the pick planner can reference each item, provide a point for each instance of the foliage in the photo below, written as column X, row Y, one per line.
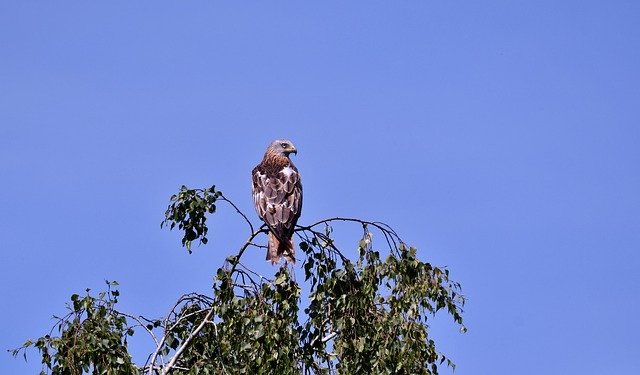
column 366, row 315
column 93, row 338
column 188, row 211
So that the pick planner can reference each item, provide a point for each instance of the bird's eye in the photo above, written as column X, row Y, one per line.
column 284, row 145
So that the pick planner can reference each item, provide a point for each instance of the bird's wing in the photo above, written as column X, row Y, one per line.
column 278, row 198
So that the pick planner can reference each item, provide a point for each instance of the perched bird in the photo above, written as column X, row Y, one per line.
column 277, row 195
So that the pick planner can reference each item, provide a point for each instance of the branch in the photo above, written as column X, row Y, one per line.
column 141, row 324
column 329, row 337
column 207, row 318
column 222, row 197
column 186, row 297
column 186, row 342
column 392, row 238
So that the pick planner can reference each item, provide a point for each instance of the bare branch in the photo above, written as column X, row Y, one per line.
column 222, row 197
column 141, row 324
column 329, row 337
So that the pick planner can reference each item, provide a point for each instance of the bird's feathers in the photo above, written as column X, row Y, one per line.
column 277, row 195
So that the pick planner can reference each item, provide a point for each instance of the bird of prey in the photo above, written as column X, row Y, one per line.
column 277, row 195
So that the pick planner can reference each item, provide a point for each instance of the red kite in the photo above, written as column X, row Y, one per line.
column 277, row 195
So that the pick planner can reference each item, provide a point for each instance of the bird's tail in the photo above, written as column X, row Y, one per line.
column 279, row 249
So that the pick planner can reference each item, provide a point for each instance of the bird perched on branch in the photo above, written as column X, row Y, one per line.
column 277, row 195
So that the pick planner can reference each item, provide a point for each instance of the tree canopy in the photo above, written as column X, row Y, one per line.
column 366, row 315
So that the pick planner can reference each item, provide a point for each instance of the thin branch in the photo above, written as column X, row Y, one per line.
column 329, row 337
column 259, row 246
column 254, row 272
column 222, row 197
column 138, row 319
column 183, row 317
column 392, row 238
column 186, row 342
column 186, row 297
column 329, row 243
column 152, row 359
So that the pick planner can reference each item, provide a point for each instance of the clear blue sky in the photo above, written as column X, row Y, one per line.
column 501, row 138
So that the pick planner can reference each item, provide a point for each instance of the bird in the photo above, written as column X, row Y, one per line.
column 277, row 196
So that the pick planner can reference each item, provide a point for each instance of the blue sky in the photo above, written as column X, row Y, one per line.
column 501, row 138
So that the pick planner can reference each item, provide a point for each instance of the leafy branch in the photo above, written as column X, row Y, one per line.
column 368, row 314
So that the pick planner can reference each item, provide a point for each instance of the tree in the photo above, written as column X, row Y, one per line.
column 367, row 315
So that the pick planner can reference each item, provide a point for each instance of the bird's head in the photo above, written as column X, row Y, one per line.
column 283, row 147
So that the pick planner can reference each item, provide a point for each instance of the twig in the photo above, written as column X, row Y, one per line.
column 392, row 238
column 222, row 197
column 137, row 319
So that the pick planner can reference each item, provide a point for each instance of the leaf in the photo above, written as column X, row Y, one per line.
column 281, row 279
column 258, row 333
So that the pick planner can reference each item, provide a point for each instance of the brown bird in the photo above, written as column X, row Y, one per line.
column 277, row 195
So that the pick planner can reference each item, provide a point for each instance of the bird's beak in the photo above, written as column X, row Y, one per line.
column 292, row 150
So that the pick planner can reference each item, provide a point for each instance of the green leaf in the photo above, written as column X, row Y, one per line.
column 281, row 279
column 258, row 333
